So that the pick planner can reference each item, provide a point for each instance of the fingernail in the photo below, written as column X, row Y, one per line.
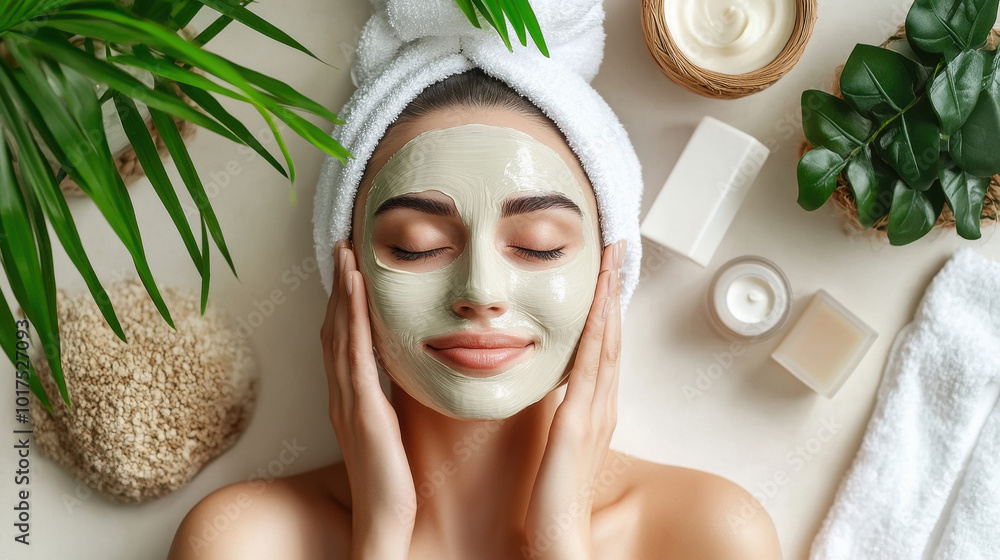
column 341, row 257
column 350, row 283
column 612, row 282
column 620, row 253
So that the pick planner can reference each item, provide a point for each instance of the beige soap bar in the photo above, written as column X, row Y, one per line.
column 826, row 344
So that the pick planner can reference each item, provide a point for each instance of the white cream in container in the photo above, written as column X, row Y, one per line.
column 731, row 36
column 749, row 299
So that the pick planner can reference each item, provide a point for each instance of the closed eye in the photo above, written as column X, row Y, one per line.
column 540, row 255
column 405, row 255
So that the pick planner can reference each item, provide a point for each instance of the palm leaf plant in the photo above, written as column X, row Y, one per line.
column 52, row 55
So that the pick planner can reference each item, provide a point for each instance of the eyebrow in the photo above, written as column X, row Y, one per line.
column 426, row 205
column 523, row 205
column 510, row 207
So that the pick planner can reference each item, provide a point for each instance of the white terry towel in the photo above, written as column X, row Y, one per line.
column 408, row 45
column 925, row 483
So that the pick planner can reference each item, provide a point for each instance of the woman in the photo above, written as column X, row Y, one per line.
column 421, row 476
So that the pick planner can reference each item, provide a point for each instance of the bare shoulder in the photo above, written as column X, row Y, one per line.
column 687, row 513
column 294, row 517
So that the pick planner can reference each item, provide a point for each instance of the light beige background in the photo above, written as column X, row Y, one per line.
column 749, row 424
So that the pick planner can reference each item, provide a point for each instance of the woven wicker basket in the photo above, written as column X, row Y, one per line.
column 844, row 200
column 717, row 85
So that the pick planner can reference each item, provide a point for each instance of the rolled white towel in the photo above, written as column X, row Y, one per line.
column 926, row 480
column 408, row 45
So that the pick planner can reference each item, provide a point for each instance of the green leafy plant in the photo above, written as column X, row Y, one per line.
column 52, row 55
column 520, row 14
column 912, row 133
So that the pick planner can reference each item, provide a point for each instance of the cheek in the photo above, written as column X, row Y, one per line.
column 558, row 299
column 408, row 305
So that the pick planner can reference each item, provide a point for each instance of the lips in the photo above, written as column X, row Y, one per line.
column 479, row 353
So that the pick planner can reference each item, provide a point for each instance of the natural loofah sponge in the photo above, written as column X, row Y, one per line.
column 147, row 415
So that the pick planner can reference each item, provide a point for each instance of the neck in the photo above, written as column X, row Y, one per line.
column 473, row 478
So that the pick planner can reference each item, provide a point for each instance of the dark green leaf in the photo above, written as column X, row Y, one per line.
column 947, row 26
column 216, row 26
column 872, row 183
column 214, row 108
column 285, row 94
column 975, row 146
column 182, row 159
column 954, row 91
column 879, row 82
column 911, row 145
column 17, row 13
column 72, row 117
column 88, row 113
column 494, row 16
column 817, row 175
column 124, row 82
column 965, row 194
column 19, row 252
column 470, row 11
column 991, row 77
column 531, row 23
column 36, row 171
column 8, row 339
column 831, row 123
column 149, row 158
column 913, row 213
column 253, row 21
column 314, row 134
column 516, row 21
column 206, row 259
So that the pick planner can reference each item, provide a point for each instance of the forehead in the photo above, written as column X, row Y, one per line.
column 400, row 133
column 473, row 163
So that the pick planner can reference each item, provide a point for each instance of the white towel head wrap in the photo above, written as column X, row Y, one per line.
column 407, row 45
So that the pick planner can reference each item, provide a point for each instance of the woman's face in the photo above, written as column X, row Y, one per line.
column 477, row 235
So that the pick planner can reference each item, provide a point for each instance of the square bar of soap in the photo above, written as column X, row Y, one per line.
column 693, row 210
column 825, row 345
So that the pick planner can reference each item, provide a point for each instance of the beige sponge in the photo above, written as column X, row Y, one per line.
column 147, row 415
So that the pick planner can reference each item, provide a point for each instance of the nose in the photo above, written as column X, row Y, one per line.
column 471, row 311
column 483, row 281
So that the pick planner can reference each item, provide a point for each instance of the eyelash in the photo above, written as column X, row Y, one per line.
column 404, row 255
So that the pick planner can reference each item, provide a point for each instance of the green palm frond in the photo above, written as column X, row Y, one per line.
column 52, row 55
column 498, row 12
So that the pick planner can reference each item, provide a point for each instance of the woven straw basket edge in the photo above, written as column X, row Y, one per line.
column 678, row 68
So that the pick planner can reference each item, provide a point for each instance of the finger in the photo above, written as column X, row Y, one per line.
column 583, row 375
column 341, row 336
column 327, row 340
column 364, row 373
column 326, row 331
column 607, row 376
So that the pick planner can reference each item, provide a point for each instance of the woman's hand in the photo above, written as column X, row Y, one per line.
column 382, row 492
column 557, row 525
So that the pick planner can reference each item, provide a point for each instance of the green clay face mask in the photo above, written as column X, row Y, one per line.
column 518, row 344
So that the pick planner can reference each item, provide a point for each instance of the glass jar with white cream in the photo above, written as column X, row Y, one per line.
column 749, row 299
